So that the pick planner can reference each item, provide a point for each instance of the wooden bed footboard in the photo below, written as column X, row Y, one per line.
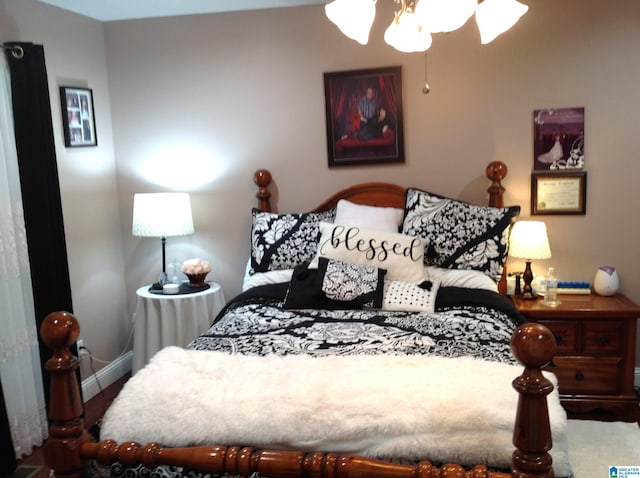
column 70, row 446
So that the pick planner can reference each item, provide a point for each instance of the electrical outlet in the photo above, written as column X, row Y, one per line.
column 82, row 352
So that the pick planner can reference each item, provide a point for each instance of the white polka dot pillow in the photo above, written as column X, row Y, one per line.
column 409, row 296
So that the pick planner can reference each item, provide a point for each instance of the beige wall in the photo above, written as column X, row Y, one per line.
column 199, row 103
column 75, row 56
column 244, row 90
column 241, row 91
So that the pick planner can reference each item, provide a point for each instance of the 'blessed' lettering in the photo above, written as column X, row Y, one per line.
column 371, row 247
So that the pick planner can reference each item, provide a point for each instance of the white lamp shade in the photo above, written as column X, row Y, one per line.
column 444, row 15
column 353, row 17
column 497, row 16
column 162, row 215
column 406, row 34
column 529, row 240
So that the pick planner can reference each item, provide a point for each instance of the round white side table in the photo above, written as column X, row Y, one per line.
column 162, row 320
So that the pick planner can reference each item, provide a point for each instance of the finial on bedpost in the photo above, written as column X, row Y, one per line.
column 534, row 346
column 496, row 172
column 262, row 178
column 59, row 331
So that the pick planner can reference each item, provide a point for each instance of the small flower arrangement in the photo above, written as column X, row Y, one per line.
column 196, row 266
column 196, row 270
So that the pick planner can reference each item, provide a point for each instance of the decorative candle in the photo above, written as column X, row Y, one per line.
column 196, row 270
column 170, row 288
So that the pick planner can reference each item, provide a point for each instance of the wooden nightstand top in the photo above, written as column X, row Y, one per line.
column 580, row 306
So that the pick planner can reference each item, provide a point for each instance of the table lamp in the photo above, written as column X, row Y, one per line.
column 162, row 215
column 529, row 241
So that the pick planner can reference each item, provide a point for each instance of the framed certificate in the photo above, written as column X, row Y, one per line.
column 558, row 193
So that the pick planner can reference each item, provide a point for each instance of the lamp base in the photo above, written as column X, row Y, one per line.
column 527, row 290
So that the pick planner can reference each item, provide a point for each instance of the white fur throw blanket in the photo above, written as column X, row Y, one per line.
column 406, row 407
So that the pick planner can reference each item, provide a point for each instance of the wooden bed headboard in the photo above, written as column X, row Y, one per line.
column 385, row 195
column 378, row 193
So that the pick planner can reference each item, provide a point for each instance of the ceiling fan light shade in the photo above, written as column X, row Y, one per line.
column 405, row 34
column 354, row 18
column 444, row 15
column 497, row 16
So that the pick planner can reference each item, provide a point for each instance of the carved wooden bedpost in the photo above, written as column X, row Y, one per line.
column 534, row 346
column 59, row 331
column 262, row 178
column 496, row 171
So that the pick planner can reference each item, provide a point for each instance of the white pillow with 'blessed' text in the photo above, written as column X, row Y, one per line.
column 399, row 254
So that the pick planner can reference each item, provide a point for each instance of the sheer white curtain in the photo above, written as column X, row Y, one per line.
column 19, row 356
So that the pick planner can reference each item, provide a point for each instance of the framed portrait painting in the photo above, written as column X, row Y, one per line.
column 364, row 116
column 78, row 118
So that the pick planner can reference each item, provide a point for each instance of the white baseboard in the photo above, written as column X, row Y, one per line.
column 106, row 376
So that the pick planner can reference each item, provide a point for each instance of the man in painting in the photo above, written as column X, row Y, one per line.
column 375, row 126
column 370, row 120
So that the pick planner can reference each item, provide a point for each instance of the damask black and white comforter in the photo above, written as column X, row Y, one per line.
column 269, row 377
column 467, row 323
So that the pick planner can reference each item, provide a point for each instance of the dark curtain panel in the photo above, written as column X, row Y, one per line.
column 7, row 455
column 40, row 188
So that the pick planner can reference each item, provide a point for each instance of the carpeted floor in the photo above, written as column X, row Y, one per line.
column 24, row 471
column 595, row 446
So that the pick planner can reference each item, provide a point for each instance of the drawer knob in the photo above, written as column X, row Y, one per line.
column 579, row 376
column 603, row 340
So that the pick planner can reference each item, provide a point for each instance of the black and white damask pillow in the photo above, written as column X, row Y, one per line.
column 460, row 235
column 352, row 282
column 335, row 285
column 283, row 241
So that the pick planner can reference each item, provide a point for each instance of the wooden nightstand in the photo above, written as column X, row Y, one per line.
column 596, row 353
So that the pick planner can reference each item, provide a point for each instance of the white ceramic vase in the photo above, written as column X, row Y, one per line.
column 606, row 281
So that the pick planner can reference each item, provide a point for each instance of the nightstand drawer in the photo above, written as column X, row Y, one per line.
column 566, row 334
column 586, row 375
column 603, row 337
